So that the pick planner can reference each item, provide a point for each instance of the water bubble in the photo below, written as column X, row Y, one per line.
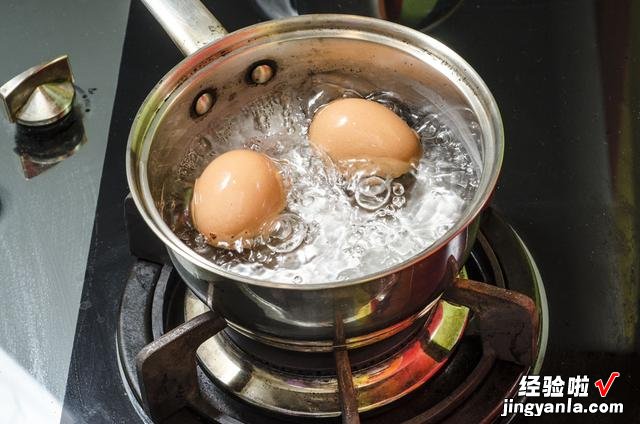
column 377, row 235
column 307, row 200
column 203, row 146
column 459, row 178
column 261, row 257
column 286, row 233
column 200, row 245
column 297, row 279
column 316, row 102
column 398, row 201
column 390, row 210
column 353, row 238
column 393, row 103
column 427, row 126
column 200, row 240
column 325, row 93
column 313, row 230
column 372, row 193
column 261, row 123
column 188, row 165
column 443, row 137
column 351, row 94
column 238, row 245
column 397, row 189
column 357, row 249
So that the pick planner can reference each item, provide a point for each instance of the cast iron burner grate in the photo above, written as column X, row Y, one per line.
column 505, row 337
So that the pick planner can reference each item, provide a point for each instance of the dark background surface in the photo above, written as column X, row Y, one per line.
column 565, row 76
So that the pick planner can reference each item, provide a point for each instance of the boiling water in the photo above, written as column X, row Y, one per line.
column 334, row 229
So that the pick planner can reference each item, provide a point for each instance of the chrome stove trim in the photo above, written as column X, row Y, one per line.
column 317, row 396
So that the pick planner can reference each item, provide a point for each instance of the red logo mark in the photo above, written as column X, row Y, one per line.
column 604, row 389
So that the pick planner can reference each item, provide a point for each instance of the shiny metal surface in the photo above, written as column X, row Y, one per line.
column 41, row 95
column 398, row 59
column 47, row 104
column 307, row 395
column 305, row 319
column 542, row 304
column 329, row 345
column 46, row 222
column 188, row 22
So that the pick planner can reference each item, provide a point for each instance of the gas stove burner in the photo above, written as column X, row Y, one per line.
column 269, row 385
column 457, row 363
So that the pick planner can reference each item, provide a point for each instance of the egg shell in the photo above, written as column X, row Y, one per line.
column 364, row 136
column 238, row 194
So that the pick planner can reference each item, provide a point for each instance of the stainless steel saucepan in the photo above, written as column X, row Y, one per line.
column 219, row 76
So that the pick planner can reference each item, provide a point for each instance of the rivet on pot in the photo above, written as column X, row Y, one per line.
column 203, row 103
column 261, row 72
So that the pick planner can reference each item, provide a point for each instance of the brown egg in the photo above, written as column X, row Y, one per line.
column 236, row 197
column 364, row 136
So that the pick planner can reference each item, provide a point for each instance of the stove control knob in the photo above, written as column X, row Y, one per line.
column 40, row 95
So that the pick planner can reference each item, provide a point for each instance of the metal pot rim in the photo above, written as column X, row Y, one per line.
column 145, row 119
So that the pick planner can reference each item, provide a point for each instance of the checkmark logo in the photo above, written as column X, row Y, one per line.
column 604, row 389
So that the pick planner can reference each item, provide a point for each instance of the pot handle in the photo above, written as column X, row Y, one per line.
column 188, row 22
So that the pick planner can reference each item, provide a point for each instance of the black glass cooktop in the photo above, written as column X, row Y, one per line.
column 564, row 74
